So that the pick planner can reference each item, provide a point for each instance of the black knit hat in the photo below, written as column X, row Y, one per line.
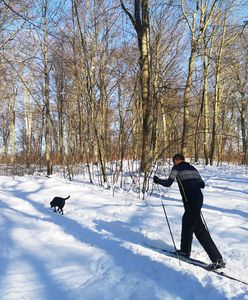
column 178, row 156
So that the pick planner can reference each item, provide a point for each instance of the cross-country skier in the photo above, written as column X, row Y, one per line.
column 190, row 184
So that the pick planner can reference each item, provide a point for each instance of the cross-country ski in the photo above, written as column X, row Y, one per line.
column 196, row 262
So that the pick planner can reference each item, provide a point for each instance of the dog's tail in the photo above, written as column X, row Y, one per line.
column 67, row 197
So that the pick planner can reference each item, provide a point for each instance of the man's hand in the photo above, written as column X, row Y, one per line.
column 156, row 179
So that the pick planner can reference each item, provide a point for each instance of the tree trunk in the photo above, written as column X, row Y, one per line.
column 215, row 114
column 217, row 95
column 243, row 127
column 205, row 107
column 140, row 21
column 12, row 127
column 186, row 112
column 46, row 92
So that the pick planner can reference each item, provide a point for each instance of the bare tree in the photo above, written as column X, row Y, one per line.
column 197, row 19
column 46, row 89
column 240, row 71
column 140, row 22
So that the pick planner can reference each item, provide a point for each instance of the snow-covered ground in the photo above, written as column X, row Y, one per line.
column 97, row 250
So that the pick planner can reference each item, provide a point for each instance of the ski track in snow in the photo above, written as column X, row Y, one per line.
column 96, row 249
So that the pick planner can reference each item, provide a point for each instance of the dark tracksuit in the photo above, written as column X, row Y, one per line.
column 190, row 184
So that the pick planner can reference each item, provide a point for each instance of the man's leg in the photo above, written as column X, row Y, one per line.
column 203, row 236
column 187, row 232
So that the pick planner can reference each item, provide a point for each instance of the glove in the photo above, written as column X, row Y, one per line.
column 156, row 179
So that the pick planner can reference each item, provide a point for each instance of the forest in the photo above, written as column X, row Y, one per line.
column 104, row 82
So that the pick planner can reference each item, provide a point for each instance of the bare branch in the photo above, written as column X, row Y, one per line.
column 128, row 13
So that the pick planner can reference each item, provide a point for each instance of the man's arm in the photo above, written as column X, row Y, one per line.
column 201, row 183
column 166, row 182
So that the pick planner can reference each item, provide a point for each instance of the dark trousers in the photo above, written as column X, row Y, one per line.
column 192, row 223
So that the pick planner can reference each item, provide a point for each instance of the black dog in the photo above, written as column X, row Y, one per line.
column 58, row 202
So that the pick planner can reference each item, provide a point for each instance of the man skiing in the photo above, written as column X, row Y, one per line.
column 190, row 184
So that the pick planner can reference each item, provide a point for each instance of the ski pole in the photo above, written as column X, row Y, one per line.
column 204, row 221
column 168, row 223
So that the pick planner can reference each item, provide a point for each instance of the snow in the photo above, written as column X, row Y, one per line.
column 97, row 249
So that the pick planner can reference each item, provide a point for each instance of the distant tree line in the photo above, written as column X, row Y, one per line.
column 94, row 81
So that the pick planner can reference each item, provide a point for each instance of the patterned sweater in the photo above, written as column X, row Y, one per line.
column 190, row 184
